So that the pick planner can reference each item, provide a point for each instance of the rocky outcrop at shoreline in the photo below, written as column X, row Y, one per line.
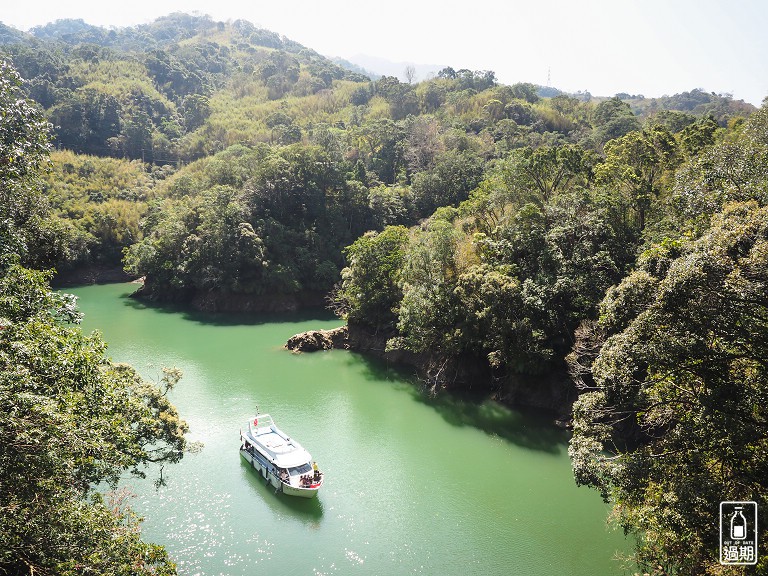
column 355, row 338
column 315, row 340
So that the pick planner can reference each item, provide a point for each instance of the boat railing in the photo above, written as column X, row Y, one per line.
column 311, row 480
column 260, row 421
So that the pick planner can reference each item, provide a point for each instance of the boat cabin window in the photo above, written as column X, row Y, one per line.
column 303, row 469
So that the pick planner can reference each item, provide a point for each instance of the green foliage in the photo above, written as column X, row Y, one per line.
column 683, row 368
column 390, row 205
column 673, row 120
column 265, row 221
column 545, row 170
column 370, row 290
column 613, row 119
column 698, row 103
column 698, row 135
column 508, row 277
column 511, row 295
column 26, row 231
column 103, row 199
column 537, row 207
column 186, row 87
column 447, row 182
column 726, row 172
column 674, row 369
column 379, row 145
column 142, row 92
column 563, row 257
column 636, row 163
column 70, row 420
column 428, row 311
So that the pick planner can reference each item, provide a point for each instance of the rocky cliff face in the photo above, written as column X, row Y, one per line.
column 91, row 274
column 229, row 302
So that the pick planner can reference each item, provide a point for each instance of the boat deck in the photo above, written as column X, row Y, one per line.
column 273, row 441
column 276, row 445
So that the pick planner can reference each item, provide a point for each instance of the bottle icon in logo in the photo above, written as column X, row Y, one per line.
column 738, row 524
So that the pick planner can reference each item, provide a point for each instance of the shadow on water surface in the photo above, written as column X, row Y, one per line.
column 307, row 508
column 530, row 428
column 525, row 427
column 230, row 318
column 376, row 369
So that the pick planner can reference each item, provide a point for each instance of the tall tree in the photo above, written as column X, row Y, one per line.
column 613, row 118
column 71, row 421
column 637, row 162
column 683, row 375
column 370, row 291
column 549, row 169
column 23, row 153
column 730, row 171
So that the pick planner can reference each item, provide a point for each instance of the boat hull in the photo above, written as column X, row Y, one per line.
column 263, row 470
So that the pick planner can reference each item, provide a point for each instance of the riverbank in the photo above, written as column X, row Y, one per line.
column 554, row 392
column 215, row 301
column 90, row 274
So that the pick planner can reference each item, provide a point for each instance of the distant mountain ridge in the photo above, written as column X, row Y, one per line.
column 384, row 67
column 177, row 27
column 163, row 31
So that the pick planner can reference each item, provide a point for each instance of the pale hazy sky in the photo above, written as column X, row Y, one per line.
column 650, row 47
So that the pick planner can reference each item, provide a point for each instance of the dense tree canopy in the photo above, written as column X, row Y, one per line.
column 669, row 346
column 673, row 419
column 272, row 222
column 24, row 228
column 185, row 88
column 685, row 371
column 71, row 421
column 370, row 292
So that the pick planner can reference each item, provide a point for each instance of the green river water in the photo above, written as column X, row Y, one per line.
column 413, row 485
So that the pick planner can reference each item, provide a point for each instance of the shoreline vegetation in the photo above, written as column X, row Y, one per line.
column 553, row 393
column 544, row 246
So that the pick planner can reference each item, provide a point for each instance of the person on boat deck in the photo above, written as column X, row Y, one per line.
column 316, row 469
column 283, row 475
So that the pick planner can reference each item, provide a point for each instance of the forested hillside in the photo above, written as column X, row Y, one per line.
column 562, row 245
column 214, row 135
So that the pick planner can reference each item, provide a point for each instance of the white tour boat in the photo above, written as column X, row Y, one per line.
column 281, row 460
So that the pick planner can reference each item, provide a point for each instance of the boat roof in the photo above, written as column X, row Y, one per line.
column 281, row 449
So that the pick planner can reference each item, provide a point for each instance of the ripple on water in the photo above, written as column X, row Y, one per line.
column 198, row 537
